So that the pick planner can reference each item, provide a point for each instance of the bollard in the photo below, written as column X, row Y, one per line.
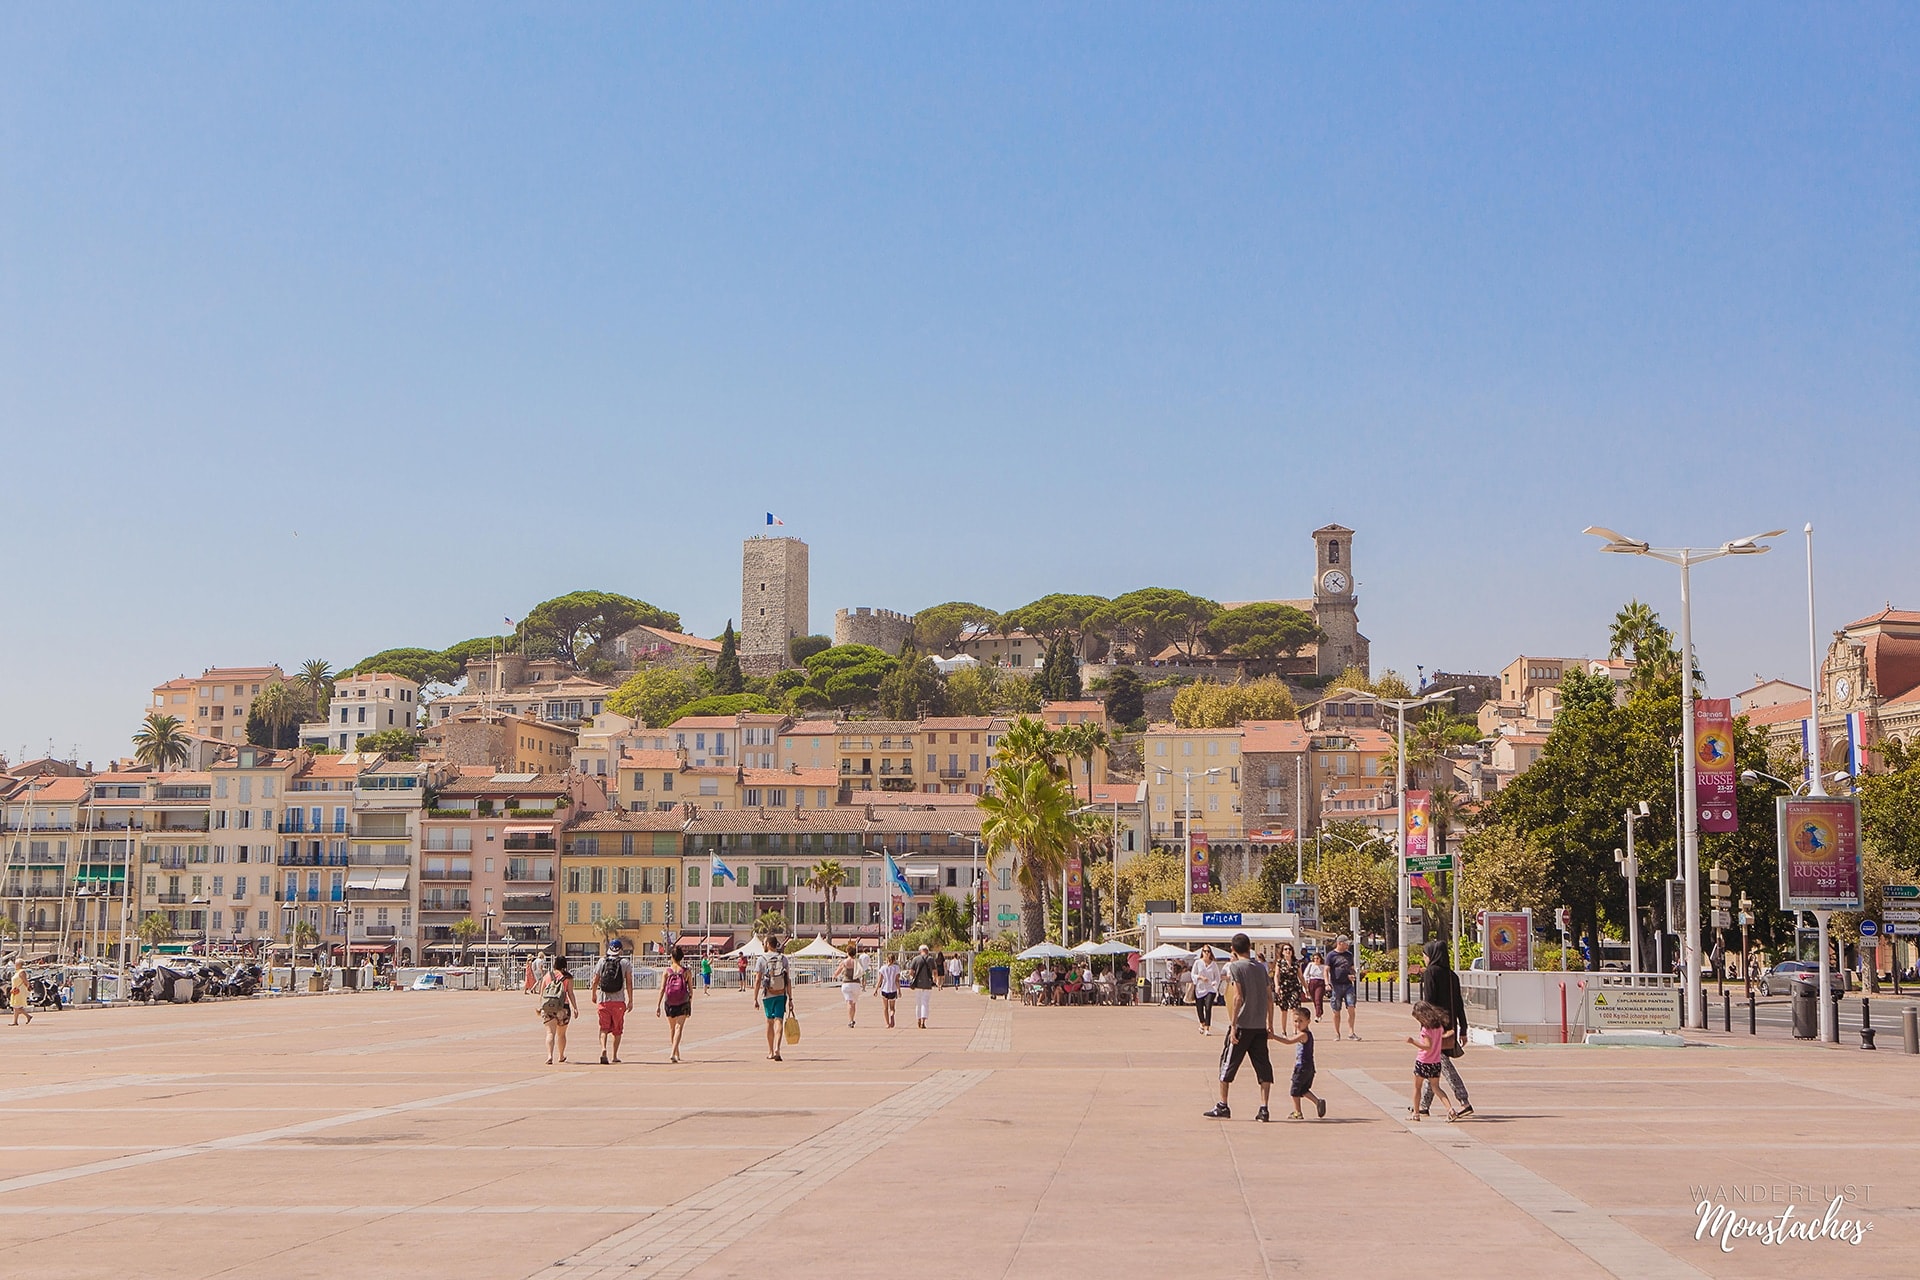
column 1726, row 1012
column 1702, row 1024
column 1910, row 1028
column 1753, row 1016
column 1866, row 1024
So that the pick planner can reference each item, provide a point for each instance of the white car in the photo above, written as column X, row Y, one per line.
column 430, row 982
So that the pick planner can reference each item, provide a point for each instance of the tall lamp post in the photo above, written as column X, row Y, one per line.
column 1186, row 814
column 1404, row 893
column 1630, row 868
column 979, row 887
column 487, row 947
column 1692, row 1014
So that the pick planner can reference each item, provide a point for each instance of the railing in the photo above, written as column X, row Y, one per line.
column 378, row 931
column 541, row 904
column 391, row 858
column 314, row 860
column 448, row 848
column 954, row 775
column 431, row 874
column 171, row 899
column 290, row 827
column 445, row 904
column 530, row 877
column 517, row 844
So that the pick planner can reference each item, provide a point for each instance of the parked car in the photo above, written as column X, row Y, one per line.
column 1780, row 981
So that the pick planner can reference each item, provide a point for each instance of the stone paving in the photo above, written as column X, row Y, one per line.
column 424, row 1134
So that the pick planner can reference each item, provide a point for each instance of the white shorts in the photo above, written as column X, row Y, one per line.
column 850, row 991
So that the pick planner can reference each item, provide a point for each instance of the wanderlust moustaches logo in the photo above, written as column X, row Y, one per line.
column 1793, row 1223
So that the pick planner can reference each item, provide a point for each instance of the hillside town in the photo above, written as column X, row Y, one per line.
column 532, row 797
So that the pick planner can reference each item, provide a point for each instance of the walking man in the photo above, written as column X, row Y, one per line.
column 926, row 972
column 612, row 996
column 1340, row 985
column 1249, row 1026
column 773, row 987
column 1441, row 989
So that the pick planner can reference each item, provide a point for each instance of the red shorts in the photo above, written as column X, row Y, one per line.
column 613, row 1017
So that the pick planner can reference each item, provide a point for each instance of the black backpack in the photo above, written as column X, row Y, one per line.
column 611, row 979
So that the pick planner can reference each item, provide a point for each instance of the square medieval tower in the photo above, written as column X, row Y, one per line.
column 773, row 601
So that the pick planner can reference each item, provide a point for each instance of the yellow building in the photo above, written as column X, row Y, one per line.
column 1197, row 767
column 810, row 744
column 958, row 751
column 624, row 868
column 877, row 755
column 215, row 704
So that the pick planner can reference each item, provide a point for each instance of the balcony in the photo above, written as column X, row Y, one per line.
column 464, row 874
column 377, row 931
column 534, row 843
column 954, row 775
column 313, row 860
column 171, row 825
column 462, row 905
column 536, row 902
column 170, row 899
column 530, row 877
column 295, row 827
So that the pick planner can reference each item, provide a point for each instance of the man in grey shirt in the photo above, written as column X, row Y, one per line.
column 1250, row 1023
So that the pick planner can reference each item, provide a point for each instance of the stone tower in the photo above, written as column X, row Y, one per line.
column 1335, row 605
column 773, row 602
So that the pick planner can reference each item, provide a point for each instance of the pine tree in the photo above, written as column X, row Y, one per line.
column 726, row 672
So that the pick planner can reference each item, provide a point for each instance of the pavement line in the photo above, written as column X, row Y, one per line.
column 241, row 1140
column 995, row 1032
column 1618, row 1250
column 309, row 1210
column 87, row 1086
column 691, row 1232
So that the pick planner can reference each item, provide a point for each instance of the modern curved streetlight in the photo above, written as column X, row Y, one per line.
column 1686, row 558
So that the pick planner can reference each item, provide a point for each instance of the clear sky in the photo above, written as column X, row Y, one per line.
column 325, row 329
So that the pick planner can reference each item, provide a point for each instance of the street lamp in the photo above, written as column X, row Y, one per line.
column 343, row 914
column 1837, row 777
column 1404, row 896
column 1187, row 776
column 1630, row 868
column 979, row 887
column 487, row 947
column 206, row 940
column 1686, row 557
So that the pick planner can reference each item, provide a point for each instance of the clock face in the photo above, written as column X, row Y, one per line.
column 1333, row 581
column 1843, row 688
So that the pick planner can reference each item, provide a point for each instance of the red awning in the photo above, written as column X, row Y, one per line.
column 376, row 947
column 707, row 942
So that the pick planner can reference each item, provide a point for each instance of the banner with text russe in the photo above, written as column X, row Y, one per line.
column 1076, row 884
column 1509, row 940
column 1819, row 853
column 1419, row 814
column 1199, row 875
column 1716, row 777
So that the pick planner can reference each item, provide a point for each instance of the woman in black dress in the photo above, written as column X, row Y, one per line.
column 1287, row 991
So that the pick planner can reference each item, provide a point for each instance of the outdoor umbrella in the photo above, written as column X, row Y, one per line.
column 1045, row 951
column 820, row 949
column 1105, row 949
column 1168, row 951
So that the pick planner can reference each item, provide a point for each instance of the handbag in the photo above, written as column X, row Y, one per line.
column 1450, row 1046
column 793, row 1025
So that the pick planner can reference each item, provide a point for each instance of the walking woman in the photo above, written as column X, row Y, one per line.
column 1287, row 995
column 675, row 1001
column 557, row 1008
column 1206, row 988
column 19, row 993
column 847, row 972
column 1316, row 974
column 1441, row 989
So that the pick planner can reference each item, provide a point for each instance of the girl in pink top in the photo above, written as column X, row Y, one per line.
column 1430, row 1039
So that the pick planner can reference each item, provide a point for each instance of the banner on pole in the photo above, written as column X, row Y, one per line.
column 1819, row 853
column 1199, row 870
column 1716, row 776
column 1509, row 940
column 980, row 904
column 899, row 914
column 1076, row 884
column 1302, row 900
column 1419, row 814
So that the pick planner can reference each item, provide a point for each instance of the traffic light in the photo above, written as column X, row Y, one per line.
column 1721, row 896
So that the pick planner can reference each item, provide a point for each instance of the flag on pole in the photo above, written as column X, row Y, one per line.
column 774, row 519
column 722, row 869
column 897, row 879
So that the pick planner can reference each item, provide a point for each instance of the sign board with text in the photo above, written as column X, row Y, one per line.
column 1633, row 1008
column 1432, row 862
column 1716, row 777
column 1868, row 928
column 1509, row 942
column 1903, row 914
column 1224, row 918
column 1819, row 840
column 1893, row 891
column 1302, row 900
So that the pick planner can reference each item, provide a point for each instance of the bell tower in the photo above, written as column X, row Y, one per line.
column 1335, row 604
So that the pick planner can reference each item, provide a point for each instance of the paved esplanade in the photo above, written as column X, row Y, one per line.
column 422, row 1134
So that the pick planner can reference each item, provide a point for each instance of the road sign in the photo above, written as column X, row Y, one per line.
column 1905, row 930
column 1432, row 862
column 1901, row 891
column 1905, row 915
column 1868, row 928
column 1562, row 919
column 1721, row 919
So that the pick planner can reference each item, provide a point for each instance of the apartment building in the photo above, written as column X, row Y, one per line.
column 372, row 702
column 958, row 752
column 1193, row 778
column 707, row 740
column 619, row 875
column 488, row 853
column 43, row 831
column 501, row 742
column 808, row 744
column 253, row 788
column 389, row 806
column 176, row 845
column 877, row 755
column 215, row 705
column 1277, row 791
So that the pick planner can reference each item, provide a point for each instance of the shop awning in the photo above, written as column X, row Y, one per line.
column 365, row 880
column 1221, row 934
column 370, row 880
column 378, row 948
column 706, row 942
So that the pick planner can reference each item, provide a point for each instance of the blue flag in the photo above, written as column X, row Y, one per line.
column 722, row 869
column 899, row 881
column 774, row 519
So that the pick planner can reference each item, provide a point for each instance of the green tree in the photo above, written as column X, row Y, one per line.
column 576, row 623
column 609, row 928
column 769, row 923
column 161, row 743
column 422, row 666
column 1262, row 634
column 800, row 648
column 913, row 689
column 1158, row 875
column 826, row 878
column 1148, row 620
column 464, row 931
column 970, row 691
column 942, row 628
column 1126, row 700
column 1027, row 814
column 726, row 672
column 1353, row 869
column 276, row 713
column 1500, row 870
column 1429, row 738
column 1388, row 684
column 304, row 937
column 400, row 744
column 153, row 929
column 849, row 675
column 1015, row 694
column 653, row 694
column 1083, row 742
column 721, row 704
column 315, row 679
column 1058, row 617
column 1207, row 704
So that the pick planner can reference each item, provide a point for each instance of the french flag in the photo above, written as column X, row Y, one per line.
column 774, row 519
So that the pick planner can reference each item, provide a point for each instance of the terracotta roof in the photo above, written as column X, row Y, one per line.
column 370, row 677
column 543, row 784
column 949, row 724
column 629, row 820
column 842, row 818
column 704, row 722
column 1074, row 704
column 790, row 777
column 1169, row 731
column 180, row 683
column 1910, row 698
column 240, row 673
column 1272, row 735
column 1899, row 617
column 648, row 759
column 810, row 729
column 1122, row 792
column 59, row 790
column 1893, row 658
column 682, row 640
column 330, row 767
column 869, row 728
column 1784, row 713
column 1524, row 739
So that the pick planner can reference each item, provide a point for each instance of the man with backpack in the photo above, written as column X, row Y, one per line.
column 612, row 995
column 773, row 987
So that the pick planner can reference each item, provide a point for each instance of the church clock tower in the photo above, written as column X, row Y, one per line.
column 1334, row 603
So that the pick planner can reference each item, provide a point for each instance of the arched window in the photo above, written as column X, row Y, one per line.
column 1333, row 551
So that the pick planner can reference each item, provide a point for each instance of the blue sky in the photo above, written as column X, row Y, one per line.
column 327, row 329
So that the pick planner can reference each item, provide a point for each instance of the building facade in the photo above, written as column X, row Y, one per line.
column 773, row 602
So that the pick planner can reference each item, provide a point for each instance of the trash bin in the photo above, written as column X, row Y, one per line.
column 999, row 982
column 350, row 979
column 1806, row 1011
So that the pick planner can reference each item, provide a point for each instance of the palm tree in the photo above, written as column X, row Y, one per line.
column 279, row 709
column 608, row 928
column 1428, row 740
column 464, row 931
column 153, row 929
column 768, row 924
column 826, row 877
column 315, row 677
column 304, row 937
column 1029, row 740
column 1084, row 741
column 1029, row 814
column 1632, row 627
column 161, row 744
